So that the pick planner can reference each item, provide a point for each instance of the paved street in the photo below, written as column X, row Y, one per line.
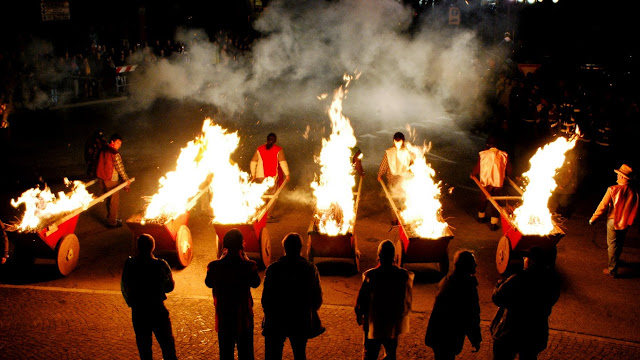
column 59, row 323
column 83, row 315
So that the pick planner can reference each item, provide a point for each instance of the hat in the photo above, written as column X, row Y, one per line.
column 626, row 171
column 233, row 240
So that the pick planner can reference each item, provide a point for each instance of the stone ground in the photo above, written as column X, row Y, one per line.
column 60, row 323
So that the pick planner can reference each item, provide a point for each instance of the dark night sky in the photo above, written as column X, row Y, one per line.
column 587, row 28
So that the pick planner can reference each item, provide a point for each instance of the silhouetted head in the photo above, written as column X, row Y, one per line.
column 386, row 252
column 464, row 262
column 292, row 244
column 271, row 140
column 233, row 240
column 535, row 258
column 146, row 244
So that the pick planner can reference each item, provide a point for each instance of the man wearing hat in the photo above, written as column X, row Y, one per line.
column 621, row 204
column 230, row 279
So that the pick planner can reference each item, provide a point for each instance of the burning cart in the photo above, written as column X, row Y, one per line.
column 410, row 248
column 172, row 236
column 338, row 246
column 513, row 241
column 257, row 243
column 56, row 240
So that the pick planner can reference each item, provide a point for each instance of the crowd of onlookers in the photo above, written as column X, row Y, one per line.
column 533, row 103
column 39, row 76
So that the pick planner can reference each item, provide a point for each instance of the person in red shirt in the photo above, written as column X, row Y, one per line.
column 269, row 161
column 621, row 204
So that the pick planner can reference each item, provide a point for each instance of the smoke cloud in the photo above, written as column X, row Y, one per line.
column 306, row 48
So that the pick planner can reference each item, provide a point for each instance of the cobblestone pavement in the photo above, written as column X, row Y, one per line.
column 57, row 323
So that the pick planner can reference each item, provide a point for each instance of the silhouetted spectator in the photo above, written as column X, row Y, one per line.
column 145, row 280
column 383, row 304
column 5, row 243
column 525, row 300
column 456, row 311
column 291, row 298
column 230, row 279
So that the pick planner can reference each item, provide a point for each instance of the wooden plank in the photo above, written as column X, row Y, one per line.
column 272, row 200
column 515, row 186
column 95, row 201
column 490, row 198
column 393, row 205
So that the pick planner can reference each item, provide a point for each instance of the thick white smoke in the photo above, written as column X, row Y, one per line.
column 306, row 48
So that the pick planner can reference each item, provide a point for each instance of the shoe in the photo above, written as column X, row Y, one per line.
column 493, row 227
column 482, row 220
column 612, row 274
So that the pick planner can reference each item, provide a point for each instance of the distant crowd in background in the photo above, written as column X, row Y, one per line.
column 533, row 103
column 34, row 78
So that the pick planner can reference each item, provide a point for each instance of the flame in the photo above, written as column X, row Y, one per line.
column 235, row 199
column 533, row 216
column 207, row 157
column 333, row 189
column 42, row 206
column 422, row 210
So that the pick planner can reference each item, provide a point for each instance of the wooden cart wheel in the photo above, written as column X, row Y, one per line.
column 218, row 245
column 356, row 254
column 503, row 254
column 67, row 254
column 399, row 251
column 184, row 246
column 265, row 247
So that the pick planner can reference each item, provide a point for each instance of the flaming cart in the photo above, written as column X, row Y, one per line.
column 56, row 240
column 172, row 236
column 257, row 243
column 411, row 248
column 513, row 242
column 338, row 246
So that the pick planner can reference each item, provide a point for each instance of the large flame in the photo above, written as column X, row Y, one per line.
column 193, row 167
column 235, row 199
column 333, row 189
column 207, row 157
column 533, row 216
column 422, row 210
column 42, row 206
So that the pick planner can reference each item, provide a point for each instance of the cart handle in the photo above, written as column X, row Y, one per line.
column 515, row 186
column 393, row 205
column 77, row 211
column 357, row 194
column 491, row 198
column 272, row 199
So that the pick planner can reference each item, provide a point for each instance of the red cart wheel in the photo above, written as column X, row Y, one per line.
column 184, row 246
column 503, row 254
column 265, row 247
column 67, row 254
column 218, row 245
column 399, row 251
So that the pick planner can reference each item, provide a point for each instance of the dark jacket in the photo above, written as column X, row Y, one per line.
column 527, row 298
column 456, row 314
column 106, row 160
column 292, row 293
column 384, row 301
column 145, row 280
column 230, row 279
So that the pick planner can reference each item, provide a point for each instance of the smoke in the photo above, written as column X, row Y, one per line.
column 305, row 49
